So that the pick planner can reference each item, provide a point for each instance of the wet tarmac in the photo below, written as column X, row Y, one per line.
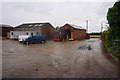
column 69, row 59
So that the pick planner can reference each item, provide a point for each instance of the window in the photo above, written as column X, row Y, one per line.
column 40, row 24
column 36, row 25
column 26, row 33
column 30, row 37
column 11, row 33
column 30, row 25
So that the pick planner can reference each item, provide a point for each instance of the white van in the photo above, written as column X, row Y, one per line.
column 22, row 37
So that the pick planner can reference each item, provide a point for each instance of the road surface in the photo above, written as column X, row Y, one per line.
column 70, row 59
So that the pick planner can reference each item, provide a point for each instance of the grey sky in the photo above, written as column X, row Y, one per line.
column 57, row 13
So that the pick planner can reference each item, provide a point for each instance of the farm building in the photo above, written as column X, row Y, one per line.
column 72, row 32
column 34, row 29
column 4, row 30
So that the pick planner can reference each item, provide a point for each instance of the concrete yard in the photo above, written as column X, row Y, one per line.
column 70, row 59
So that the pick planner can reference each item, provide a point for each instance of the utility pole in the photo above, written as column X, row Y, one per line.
column 101, row 27
column 86, row 26
column 107, row 26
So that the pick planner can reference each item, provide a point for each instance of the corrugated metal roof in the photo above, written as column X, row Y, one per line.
column 75, row 26
column 31, row 25
column 3, row 25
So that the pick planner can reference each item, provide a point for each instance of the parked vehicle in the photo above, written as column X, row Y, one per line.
column 16, row 34
column 35, row 39
column 22, row 37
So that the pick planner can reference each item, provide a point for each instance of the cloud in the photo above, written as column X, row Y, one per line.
column 58, row 13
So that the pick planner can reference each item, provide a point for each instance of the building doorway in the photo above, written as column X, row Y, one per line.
column 66, row 34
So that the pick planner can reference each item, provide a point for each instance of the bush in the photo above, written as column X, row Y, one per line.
column 113, row 33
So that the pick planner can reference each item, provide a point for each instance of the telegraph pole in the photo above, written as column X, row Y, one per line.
column 101, row 27
column 86, row 26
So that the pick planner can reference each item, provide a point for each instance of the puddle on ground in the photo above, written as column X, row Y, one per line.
column 83, row 47
column 91, row 41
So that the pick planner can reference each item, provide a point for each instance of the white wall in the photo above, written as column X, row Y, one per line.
column 17, row 33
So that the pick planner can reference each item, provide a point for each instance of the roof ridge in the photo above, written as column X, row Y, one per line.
column 76, row 26
column 36, row 23
column 5, row 25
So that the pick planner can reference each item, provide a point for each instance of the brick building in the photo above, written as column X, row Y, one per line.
column 4, row 30
column 36, row 29
column 72, row 32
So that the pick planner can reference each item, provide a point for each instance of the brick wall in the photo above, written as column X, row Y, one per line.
column 48, row 31
column 77, row 33
column 83, row 34
column 5, row 30
column 66, row 27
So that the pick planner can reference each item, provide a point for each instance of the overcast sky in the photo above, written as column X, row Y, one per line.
column 57, row 13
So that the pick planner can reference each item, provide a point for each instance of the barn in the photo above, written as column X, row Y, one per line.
column 5, row 30
column 35, row 29
column 72, row 32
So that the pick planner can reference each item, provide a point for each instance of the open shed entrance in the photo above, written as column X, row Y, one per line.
column 66, row 34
